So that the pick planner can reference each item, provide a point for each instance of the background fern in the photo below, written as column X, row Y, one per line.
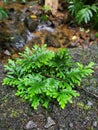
column 82, row 11
column 3, row 13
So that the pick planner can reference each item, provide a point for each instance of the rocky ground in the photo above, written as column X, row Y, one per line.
column 15, row 114
column 17, row 31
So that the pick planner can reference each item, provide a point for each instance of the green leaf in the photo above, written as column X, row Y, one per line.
column 35, row 102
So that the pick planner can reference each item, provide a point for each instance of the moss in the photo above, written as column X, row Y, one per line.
column 81, row 105
column 91, row 128
column 14, row 113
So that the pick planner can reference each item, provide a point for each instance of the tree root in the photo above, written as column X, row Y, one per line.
column 88, row 92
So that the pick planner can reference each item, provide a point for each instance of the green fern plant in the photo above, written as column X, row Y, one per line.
column 81, row 11
column 86, row 13
column 95, row 21
column 74, row 6
column 41, row 75
column 3, row 13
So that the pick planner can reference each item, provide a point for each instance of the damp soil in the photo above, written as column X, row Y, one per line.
column 82, row 114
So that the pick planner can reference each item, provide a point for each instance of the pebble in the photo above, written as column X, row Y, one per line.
column 71, row 125
column 31, row 125
column 95, row 123
column 74, row 38
column 6, row 52
column 92, row 37
column 50, row 122
column 73, row 44
column 89, row 103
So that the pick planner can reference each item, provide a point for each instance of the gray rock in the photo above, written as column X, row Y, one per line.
column 45, row 27
column 31, row 24
column 95, row 123
column 6, row 52
column 73, row 44
column 31, row 125
column 50, row 122
column 56, row 39
column 92, row 37
column 71, row 125
column 89, row 103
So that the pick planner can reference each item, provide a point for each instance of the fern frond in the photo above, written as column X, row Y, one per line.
column 85, row 15
column 41, row 75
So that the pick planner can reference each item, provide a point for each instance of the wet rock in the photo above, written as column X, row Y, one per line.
column 56, row 22
column 16, row 15
column 95, row 123
column 73, row 44
column 27, row 36
column 4, row 35
column 71, row 125
column 50, row 122
column 89, row 103
column 31, row 125
column 92, row 37
column 45, row 27
column 49, row 23
column 52, row 41
column 31, row 24
column 14, row 35
column 12, row 10
column 35, row 10
column 17, row 41
column 56, row 39
column 6, row 52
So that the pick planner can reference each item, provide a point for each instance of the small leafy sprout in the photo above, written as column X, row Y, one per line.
column 44, row 17
column 46, row 8
column 41, row 75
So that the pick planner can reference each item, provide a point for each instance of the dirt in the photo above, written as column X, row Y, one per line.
column 82, row 114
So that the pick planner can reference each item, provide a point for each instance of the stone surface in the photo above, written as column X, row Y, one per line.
column 31, row 24
column 95, row 123
column 50, row 122
column 6, row 52
column 31, row 125
column 92, row 37
column 56, row 40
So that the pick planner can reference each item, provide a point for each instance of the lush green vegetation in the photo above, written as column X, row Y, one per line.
column 83, row 12
column 42, row 76
column 3, row 13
